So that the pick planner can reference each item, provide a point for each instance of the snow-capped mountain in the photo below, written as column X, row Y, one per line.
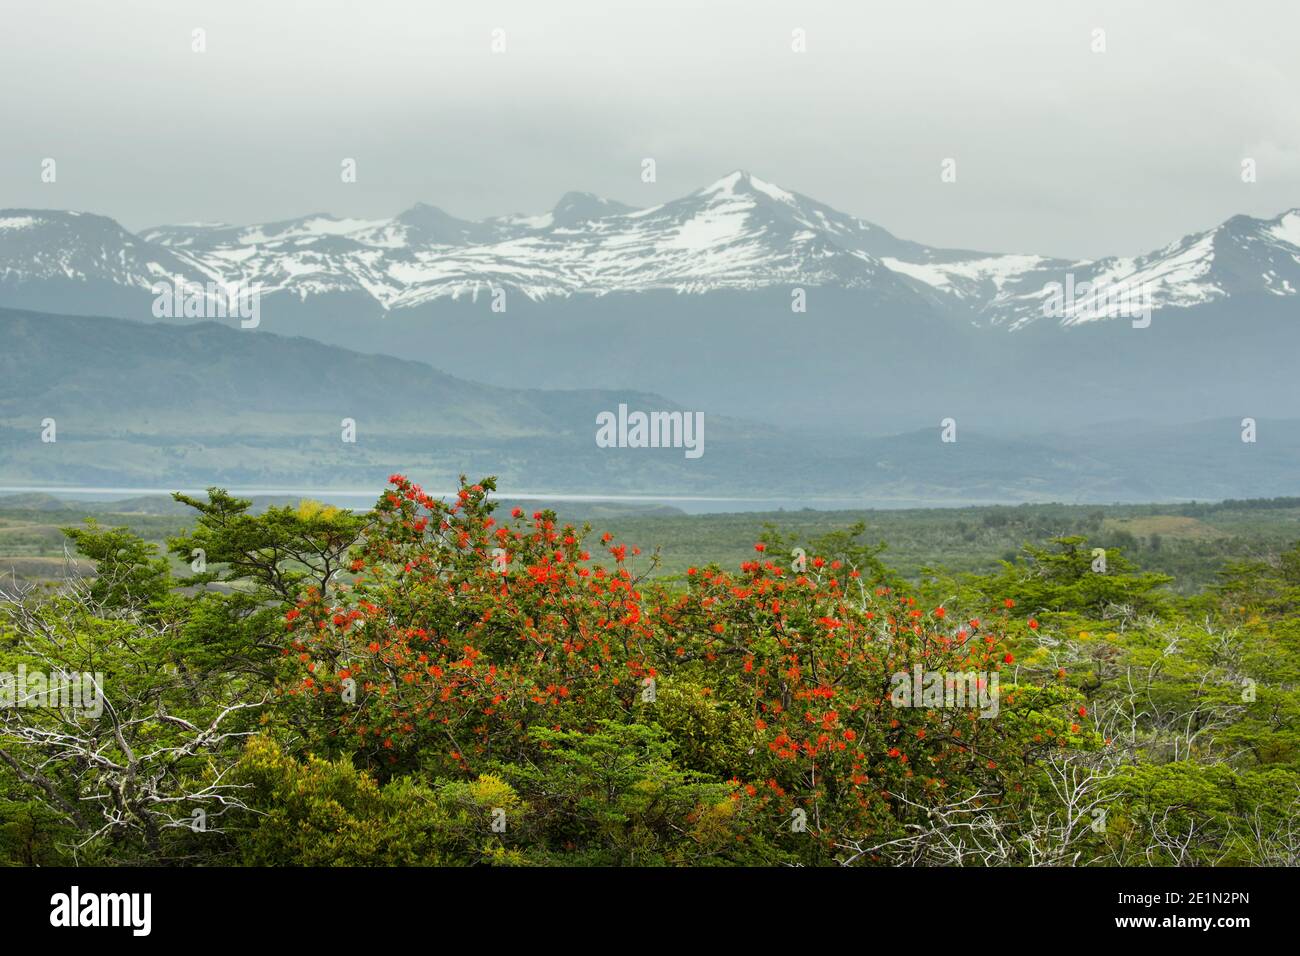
column 1243, row 256
column 739, row 233
column 38, row 244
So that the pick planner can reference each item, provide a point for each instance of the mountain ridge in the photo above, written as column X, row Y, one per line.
column 738, row 233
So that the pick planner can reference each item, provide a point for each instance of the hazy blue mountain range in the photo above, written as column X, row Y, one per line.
column 165, row 404
column 693, row 299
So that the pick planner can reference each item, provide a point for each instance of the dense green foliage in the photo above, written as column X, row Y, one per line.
column 1191, row 542
column 436, row 684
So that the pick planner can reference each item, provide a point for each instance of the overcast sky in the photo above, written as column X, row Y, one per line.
column 1059, row 150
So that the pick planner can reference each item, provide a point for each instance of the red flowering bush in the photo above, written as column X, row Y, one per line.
column 459, row 636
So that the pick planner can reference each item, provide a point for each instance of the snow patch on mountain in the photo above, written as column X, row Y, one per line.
column 1286, row 228
column 961, row 276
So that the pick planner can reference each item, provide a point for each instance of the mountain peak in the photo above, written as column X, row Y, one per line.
column 423, row 212
column 576, row 197
column 741, row 182
column 576, row 207
column 432, row 224
column 27, row 218
column 1284, row 228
